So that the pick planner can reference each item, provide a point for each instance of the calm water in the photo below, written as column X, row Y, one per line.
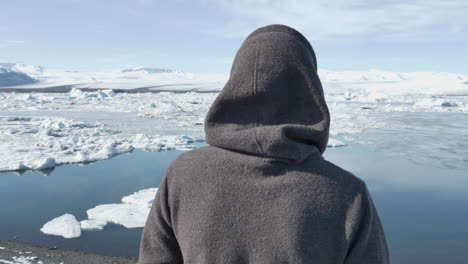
column 423, row 208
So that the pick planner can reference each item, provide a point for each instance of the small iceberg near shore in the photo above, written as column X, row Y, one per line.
column 335, row 143
column 65, row 225
column 131, row 213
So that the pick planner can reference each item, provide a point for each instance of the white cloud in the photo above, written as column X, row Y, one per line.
column 10, row 43
column 349, row 20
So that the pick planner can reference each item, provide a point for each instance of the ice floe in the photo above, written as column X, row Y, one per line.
column 334, row 143
column 65, row 225
column 92, row 224
column 99, row 95
column 40, row 143
column 131, row 213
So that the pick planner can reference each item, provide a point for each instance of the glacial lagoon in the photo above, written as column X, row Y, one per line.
column 422, row 207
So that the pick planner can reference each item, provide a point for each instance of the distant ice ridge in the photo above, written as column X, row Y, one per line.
column 131, row 213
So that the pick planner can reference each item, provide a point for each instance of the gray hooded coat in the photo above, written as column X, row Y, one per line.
column 261, row 192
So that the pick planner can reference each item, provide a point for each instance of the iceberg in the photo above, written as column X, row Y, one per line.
column 131, row 213
column 65, row 225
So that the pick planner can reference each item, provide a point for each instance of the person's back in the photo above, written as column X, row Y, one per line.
column 261, row 192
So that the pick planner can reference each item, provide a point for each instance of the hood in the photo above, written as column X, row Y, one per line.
column 273, row 104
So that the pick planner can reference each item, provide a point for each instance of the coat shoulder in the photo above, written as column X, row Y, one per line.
column 347, row 178
column 192, row 160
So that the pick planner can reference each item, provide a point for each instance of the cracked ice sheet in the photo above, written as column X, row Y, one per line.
column 39, row 131
column 41, row 143
column 426, row 129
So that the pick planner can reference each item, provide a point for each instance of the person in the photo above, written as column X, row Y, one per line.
column 260, row 191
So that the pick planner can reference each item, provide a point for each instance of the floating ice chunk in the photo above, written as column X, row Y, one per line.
column 375, row 96
column 448, row 104
column 99, row 94
column 162, row 142
column 128, row 215
column 112, row 148
column 334, row 143
column 16, row 118
column 76, row 93
column 92, row 224
column 165, row 110
column 131, row 213
column 65, row 225
column 435, row 103
column 44, row 163
column 144, row 197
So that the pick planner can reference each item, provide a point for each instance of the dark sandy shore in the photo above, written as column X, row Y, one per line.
column 17, row 252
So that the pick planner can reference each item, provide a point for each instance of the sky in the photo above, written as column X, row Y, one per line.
column 203, row 36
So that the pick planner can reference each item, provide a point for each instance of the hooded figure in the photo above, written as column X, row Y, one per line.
column 261, row 192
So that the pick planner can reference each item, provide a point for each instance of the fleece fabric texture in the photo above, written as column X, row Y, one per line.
column 261, row 192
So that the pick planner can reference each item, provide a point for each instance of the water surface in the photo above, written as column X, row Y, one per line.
column 423, row 208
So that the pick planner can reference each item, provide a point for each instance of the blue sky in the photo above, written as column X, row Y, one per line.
column 202, row 36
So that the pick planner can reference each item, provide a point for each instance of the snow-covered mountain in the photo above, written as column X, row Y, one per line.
column 385, row 82
column 148, row 70
column 366, row 76
column 24, row 76
column 127, row 79
column 386, row 76
column 9, row 77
